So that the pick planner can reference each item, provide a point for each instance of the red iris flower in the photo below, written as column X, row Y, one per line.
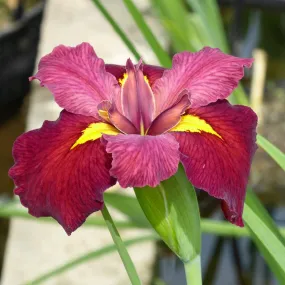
column 134, row 124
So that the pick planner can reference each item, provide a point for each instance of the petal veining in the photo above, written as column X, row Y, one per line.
column 221, row 166
column 52, row 180
column 77, row 78
column 137, row 98
column 208, row 75
column 142, row 160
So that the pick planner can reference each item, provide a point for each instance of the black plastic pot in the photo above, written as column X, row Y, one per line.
column 18, row 51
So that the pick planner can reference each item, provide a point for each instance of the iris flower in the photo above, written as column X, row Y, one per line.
column 133, row 125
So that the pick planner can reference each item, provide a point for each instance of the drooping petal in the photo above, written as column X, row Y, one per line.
column 77, row 78
column 217, row 153
column 170, row 117
column 54, row 180
column 137, row 98
column 142, row 160
column 208, row 75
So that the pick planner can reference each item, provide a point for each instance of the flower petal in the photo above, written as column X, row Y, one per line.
column 77, row 78
column 170, row 117
column 109, row 113
column 208, row 75
column 137, row 98
column 117, row 70
column 54, row 180
column 142, row 160
column 221, row 165
column 152, row 72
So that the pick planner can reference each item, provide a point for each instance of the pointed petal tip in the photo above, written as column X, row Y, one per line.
column 232, row 216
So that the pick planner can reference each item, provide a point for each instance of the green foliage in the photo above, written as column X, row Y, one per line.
column 87, row 257
column 266, row 235
column 173, row 211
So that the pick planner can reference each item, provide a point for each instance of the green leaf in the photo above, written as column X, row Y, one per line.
column 121, row 248
column 159, row 51
column 210, row 16
column 129, row 206
column 117, row 28
column 87, row 257
column 172, row 210
column 10, row 211
column 266, row 235
column 272, row 150
column 174, row 18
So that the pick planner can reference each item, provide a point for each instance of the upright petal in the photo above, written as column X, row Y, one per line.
column 77, row 78
column 208, row 75
column 55, row 180
column 142, row 160
column 137, row 98
column 217, row 153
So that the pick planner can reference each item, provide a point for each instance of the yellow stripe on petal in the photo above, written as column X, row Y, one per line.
column 94, row 132
column 194, row 124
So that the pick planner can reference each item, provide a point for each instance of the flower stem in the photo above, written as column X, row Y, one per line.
column 128, row 263
column 193, row 271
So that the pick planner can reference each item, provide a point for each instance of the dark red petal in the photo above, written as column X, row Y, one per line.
column 170, row 117
column 221, row 166
column 142, row 160
column 53, row 180
column 77, row 78
column 117, row 70
column 152, row 72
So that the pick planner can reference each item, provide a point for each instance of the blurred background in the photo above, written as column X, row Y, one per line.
column 30, row 29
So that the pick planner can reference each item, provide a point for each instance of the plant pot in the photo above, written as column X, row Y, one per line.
column 18, row 51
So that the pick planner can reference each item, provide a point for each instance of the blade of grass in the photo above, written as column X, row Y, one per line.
column 174, row 17
column 87, row 257
column 209, row 13
column 208, row 226
column 266, row 235
column 129, row 206
column 117, row 28
column 272, row 150
column 159, row 51
column 11, row 212
column 125, row 257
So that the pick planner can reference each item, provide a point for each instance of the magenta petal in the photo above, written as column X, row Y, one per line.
column 77, row 78
column 53, row 180
column 137, row 98
column 208, row 75
column 117, row 119
column 170, row 117
column 142, row 160
column 221, row 166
